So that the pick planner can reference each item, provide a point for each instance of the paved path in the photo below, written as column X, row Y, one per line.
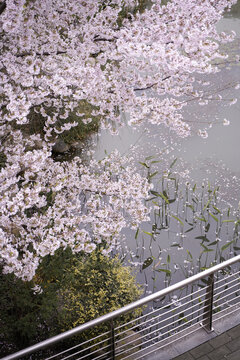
column 223, row 347
column 195, row 343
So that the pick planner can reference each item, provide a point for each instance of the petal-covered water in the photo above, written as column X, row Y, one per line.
column 195, row 217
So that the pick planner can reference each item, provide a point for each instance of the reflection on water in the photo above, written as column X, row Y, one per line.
column 163, row 252
column 235, row 11
column 191, row 228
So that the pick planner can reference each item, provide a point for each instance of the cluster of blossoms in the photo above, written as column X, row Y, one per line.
column 55, row 54
column 45, row 205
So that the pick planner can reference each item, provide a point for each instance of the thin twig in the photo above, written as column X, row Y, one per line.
column 150, row 86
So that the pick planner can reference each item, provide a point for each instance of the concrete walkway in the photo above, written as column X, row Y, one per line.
column 223, row 347
column 223, row 343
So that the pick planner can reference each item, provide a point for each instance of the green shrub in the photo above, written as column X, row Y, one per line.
column 95, row 287
column 19, row 310
column 76, row 289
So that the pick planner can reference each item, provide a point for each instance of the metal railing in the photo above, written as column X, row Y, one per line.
column 147, row 325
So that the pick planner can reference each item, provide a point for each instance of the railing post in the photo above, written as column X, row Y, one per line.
column 112, row 340
column 208, row 305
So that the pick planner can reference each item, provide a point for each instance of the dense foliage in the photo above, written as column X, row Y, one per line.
column 76, row 289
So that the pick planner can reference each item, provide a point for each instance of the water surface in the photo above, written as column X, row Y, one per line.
column 174, row 250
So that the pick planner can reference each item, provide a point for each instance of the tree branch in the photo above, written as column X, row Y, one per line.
column 41, row 54
column 150, row 86
column 104, row 39
column 2, row 6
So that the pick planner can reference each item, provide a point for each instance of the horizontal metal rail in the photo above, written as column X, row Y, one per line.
column 207, row 308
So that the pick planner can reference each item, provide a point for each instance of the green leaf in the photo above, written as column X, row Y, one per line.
column 168, row 272
column 147, row 263
column 155, row 161
column 154, row 193
column 204, row 238
column 206, row 249
column 153, row 174
column 148, row 233
column 213, row 243
column 213, row 216
column 152, row 198
column 224, row 247
column 165, row 194
column 189, row 254
column 209, row 187
column 179, row 220
column 194, row 188
column 164, row 197
column 150, row 157
column 136, row 234
column 189, row 230
column 207, row 204
column 168, row 259
column 182, row 318
column 227, row 221
column 173, row 163
column 207, row 227
column 219, row 211
column 201, row 219
column 144, row 164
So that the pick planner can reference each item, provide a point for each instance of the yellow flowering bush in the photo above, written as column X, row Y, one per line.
column 95, row 287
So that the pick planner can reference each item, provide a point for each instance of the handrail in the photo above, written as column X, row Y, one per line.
column 112, row 315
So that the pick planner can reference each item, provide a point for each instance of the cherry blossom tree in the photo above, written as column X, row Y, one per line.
column 56, row 54
column 56, row 205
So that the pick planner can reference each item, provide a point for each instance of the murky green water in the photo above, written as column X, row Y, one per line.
column 195, row 222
